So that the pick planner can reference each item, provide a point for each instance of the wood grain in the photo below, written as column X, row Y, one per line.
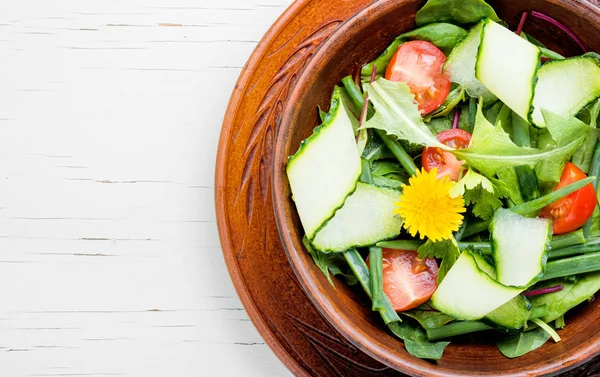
column 110, row 261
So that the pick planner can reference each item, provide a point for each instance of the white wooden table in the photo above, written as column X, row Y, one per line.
column 110, row 263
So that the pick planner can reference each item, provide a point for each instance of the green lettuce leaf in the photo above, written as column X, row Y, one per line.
column 562, row 130
column 397, row 114
column 491, row 150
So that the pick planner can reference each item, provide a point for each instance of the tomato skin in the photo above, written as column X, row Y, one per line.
column 419, row 64
column 446, row 163
column 408, row 281
column 571, row 212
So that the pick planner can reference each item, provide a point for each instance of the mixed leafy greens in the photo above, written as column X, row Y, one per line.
column 463, row 199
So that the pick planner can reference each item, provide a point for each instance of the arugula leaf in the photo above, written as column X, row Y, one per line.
column 397, row 114
column 564, row 128
column 524, row 342
column 455, row 11
column 485, row 203
column 443, row 35
column 416, row 342
column 491, row 150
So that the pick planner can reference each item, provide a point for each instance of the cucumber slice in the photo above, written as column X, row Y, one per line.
column 468, row 293
column 460, row 65
column 325, row 169
column 506, row 66
column 565, row 87
column 510, row 317
column 520, row 247
column 366, row 218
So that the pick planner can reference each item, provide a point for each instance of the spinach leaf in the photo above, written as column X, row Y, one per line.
column 447, row 262
column 397, row 114
column 331, row 264
column 455, row 11
column 428, row 317
column 442, row 35
column 416, row 342
column 425, row 350
column 572, row 294
column 446, row 250
column 519, row 344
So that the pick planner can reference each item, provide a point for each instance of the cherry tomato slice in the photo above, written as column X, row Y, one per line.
column 419, row 64
column 571, row 212
column 444, row 161
column 408, row 281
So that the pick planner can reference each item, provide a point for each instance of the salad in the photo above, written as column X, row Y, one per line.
column 454, row 180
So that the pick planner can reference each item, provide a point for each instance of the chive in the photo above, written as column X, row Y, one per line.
column 356, row 94
column 366, row 175
column 591, row 245
column 541, row 202
column 394, row 146
column 547, row 329
column 454, row 329
column 376, row 270
column 528, row 182
column 550, row 54
column 520, row 131
column 461, row 231
column 572, row 266
column 564, row 245
column 594, row 171
column 472, row 112
column 568, row 239
column 400, row 244
column 361, row 271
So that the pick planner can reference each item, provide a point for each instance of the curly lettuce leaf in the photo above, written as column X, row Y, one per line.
column 397, row 114
column 491, row 150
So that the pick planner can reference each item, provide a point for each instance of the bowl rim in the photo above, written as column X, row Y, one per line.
column 325, row 307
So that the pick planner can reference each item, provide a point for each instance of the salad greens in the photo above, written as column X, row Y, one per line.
column 472, row 171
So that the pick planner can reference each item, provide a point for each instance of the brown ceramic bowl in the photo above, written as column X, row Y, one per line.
column 359, row 41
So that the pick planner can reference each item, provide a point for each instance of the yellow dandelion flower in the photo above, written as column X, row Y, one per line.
column 427, row 208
